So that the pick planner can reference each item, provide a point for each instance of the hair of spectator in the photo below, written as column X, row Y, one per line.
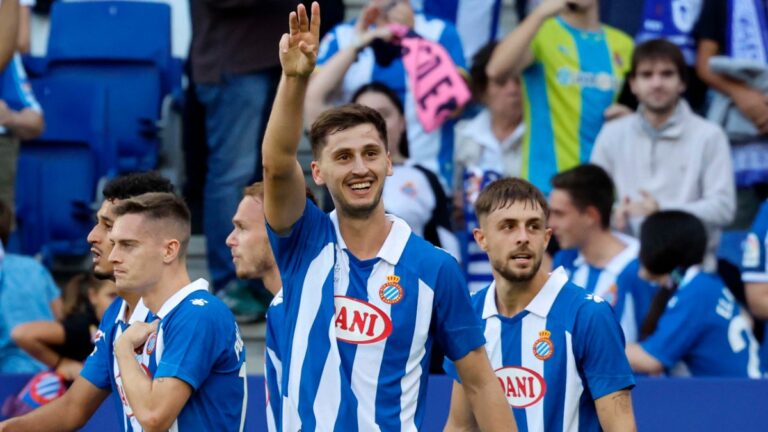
column 6, row 221
column 588, row 185
column 672, row 239
column 74, row 296
column 341, row 118
column 256, row 190
column 135, row 184
column 160, row 206
column 659, row 50
column 507, row 191
column 478, row 78
column 381, row 88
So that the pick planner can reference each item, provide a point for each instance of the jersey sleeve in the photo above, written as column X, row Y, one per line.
column 599, row 349
column 459, row 330
column 753, row 263
column 678, row 329
column 96, row 368
column 451, row 41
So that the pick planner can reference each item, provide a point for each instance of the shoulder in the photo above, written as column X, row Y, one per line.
column 709, row 131
column 617, row 38
column 428, row 261
column 620, row 126
column 202, row 306
column 20, row 262
column 583, row 305
column 478, row 299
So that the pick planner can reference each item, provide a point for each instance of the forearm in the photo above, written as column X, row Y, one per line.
column 491, row 410
column 642, row 362
column 9, row 27
column 37, row 338
column 23, row 42
column 39, row 351
column 706, row 50
column 136, row 384
column 281, row 139
column 25, row 124
column 326, row 81
column 512, row 55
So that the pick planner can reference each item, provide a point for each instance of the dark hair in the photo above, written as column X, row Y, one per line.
column 479, row 79
column 160, row 206
column 74, row 296
column 672, row 239
column 6, row 222
column 342, row 118
column 659, row 49
column 588, row 186
column 256, row 190
column 507, row 191
column 135, row 184
column 381, row 88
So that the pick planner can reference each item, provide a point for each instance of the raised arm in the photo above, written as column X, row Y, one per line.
column 284, row 188
column 514, row 53
column 9, row 28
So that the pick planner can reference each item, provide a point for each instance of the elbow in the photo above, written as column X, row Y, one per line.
column 21, row 335
column 153, row 421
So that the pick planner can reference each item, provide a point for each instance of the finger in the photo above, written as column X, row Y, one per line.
column 303, row 20
column 284, row 44
column 308, row 50
column 293, row 23
column 314, row 25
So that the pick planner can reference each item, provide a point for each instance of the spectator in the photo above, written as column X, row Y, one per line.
column 487, row 148
column 695, row 326
column 596, row 259
column 360, row 52
column 573, row 68
column 745, row 101
column 755, row 275
column 9, row 27
column 664, row 156
column 27, row 293
column 21, row 118
column 64, row 345
column 25, row 7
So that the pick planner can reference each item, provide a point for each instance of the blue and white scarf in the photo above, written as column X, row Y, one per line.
column 747, row 36
column 672, row 20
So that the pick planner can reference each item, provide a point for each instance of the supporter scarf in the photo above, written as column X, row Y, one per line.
column 436, row 85
column 672, row 20
column 747, row 36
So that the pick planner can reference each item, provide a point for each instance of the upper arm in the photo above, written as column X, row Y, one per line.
column 284, row 198
column 676, row 332
column 460, row 416
column 9, row 21
column 614, row 411
column 643, row 362
column 757, row 299
column 459, row 330
column 474, row 369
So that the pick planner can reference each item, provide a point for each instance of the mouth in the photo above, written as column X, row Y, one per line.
column 96, row 255
column 522, row 258
column 360, row 187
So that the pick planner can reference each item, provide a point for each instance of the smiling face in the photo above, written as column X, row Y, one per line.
column 248, row 241
column 353, row 165
column 515, row 236
column 99, row 241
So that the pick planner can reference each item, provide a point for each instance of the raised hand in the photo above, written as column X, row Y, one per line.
column 298, row 48
column 550, row 8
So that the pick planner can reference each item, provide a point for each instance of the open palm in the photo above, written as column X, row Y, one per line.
column 298, row 48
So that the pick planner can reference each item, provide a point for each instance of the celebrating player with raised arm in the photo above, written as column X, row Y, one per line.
column 364, row 298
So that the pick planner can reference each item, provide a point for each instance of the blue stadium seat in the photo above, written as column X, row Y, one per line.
column 58, row 172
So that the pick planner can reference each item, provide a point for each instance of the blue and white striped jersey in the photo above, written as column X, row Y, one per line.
column 15, row 89
column 432, row 150
column 618, row 283
column 273, row 363
column 556, row 357
column 704, row 332
column 477, row 21
column 357, row 335
column 754, row 265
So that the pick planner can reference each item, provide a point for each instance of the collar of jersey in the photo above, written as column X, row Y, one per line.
column 167, row 307
column 617, row 264
column 540, row 305
column 139, row 313
column 393, row 246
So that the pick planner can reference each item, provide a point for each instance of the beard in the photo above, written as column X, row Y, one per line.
column 515, row 276
column 361, row 211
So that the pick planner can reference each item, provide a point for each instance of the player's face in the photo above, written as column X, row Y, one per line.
column 569, row 224
column 248, row 241
column 137, row 253
column 353, row 164
column 100, row 244
column 515, row 238
column 395, row 121
column 101, row 296
column 657, row 85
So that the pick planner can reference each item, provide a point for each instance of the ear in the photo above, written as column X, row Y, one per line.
column 593, row 214
column 547, row 237
column 171, row 251
column 316, row 175
column 480, row 238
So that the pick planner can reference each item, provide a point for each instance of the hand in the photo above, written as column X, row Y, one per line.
column 549, row 8
column 643, row 207
column 5, row 113
column 620, row 216
column 616, row 111
column 754, row 105
column 298, row 49
column 136, row 335
column 69, row 369
column 366, row 34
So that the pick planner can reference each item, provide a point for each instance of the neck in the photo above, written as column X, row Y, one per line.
column 503, row 125
column 658, row 118
column 363, row 237
column 131, row 300
column 513, row 297
column 169, row 284
column 272, row 281
column 584, row 19
column 601, row 248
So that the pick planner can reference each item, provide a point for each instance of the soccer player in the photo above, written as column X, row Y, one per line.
column 599, row 260
column 364, row 298
column 558, row 351
column 755, row 275
column 573, row 69
column 189, row 373
column 695, row 327
column 98, row 376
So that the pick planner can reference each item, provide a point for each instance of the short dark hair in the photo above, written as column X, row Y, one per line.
column 672, row 239
column 504, row 192
column 479, row 79
column 588, row 185
column 342, row 118
column 135, row 184
column 656, row 50
column 160, row 206
column 6, row 222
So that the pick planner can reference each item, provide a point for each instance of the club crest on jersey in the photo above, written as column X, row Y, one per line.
column 151, row 343
column 523, row 387
column 391, row 292
column 543, row 348
column 359, row 322
column 751, row 257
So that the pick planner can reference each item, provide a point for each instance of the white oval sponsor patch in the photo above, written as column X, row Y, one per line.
column 359, row 322
column 523, row 387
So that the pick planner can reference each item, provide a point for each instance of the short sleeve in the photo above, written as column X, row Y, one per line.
column 329, row 46
column 97, row 365
column 306, row 238
column 678, row 329
column 753, row 262
column 450, row 370
column 599, row 348
column 459, row 330
column 451, row 41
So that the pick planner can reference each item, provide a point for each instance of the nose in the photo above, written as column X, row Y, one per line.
column 114, row 256
column 359, row 167
column 92, row 237
column 521, row 235
column 230, row 242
